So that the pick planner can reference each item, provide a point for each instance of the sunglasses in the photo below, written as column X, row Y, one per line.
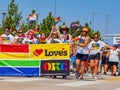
column 83, row 31
column 20, row 32
column 7, row 31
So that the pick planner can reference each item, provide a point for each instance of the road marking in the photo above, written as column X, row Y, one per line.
column 22, row 79
column 113, row 79
column 117, row 89
column 80, row 83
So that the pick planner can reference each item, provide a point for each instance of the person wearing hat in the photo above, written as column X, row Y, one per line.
column 82, row 52
column 64, row 34
column 113, row 55
column 6, row 38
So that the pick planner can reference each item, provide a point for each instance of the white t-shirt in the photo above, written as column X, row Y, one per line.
column 95, row 47
column 54, row 40
column 7, row 39
column 113, row 56
column 82, row 50
column 19, row 39
column 28, row 41
column 69, row 38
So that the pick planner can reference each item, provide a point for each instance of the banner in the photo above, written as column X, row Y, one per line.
column 49, row 51
column 14, row 51
column 19, row 67
column 25, row 60
column 55, row 67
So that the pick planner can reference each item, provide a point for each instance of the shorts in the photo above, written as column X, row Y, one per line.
column 95, row 57
column 113, row 63
column 82, row 57
column 105, row 61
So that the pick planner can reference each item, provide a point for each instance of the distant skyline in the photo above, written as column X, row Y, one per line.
column 72, row 10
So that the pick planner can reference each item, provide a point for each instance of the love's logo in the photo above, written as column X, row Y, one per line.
column 37, row 52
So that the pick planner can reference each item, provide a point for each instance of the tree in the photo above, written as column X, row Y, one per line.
column 13, row 17
column 46, row 24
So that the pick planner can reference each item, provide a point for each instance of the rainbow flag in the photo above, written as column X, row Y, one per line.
column 14, row 61
column 57, row 19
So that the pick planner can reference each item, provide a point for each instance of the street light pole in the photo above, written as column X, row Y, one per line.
column 3, row 19
column 106, row 30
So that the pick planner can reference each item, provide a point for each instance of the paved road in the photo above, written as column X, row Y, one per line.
column 104, row 82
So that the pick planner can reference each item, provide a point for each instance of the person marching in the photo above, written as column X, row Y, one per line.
column 19, row 38
column 82, row 53
column 64, row 34
column 6, row 38
column 95, row 48
column 105, row 61
column 113, row 55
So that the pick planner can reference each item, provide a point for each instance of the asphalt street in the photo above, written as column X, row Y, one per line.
column 104, row 82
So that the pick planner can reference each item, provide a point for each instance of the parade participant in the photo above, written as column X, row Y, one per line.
column 6, row 38
column 105, row 61
column 43, row 38
column 54, row 37
column 82, row 52
column 19, row 38
column 73, row 49
column 29, row 38
column 113, row 56
column 64, row 34
column 95, row 48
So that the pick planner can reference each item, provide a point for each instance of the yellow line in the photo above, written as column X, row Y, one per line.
column 112, row 79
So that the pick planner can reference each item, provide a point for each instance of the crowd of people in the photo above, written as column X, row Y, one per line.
column 86, row 54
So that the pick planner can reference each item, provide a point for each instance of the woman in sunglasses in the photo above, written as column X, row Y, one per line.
column 6, row 38
column 95, row 54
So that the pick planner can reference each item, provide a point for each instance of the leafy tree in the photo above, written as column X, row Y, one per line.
column 13, row 17
column 46, row 24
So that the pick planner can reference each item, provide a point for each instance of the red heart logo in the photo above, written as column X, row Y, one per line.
column 37, row 52
column 63, row 48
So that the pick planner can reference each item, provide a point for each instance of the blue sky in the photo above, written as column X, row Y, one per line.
column 72, row 10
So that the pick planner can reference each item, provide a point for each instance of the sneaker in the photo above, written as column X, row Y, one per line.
column 95, row 77
column 91, row 75
column 77, row 75
column 114, row 74
column 81, row 78
column 105, row 73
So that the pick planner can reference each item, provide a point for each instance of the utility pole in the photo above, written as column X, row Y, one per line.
column 106, row 28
